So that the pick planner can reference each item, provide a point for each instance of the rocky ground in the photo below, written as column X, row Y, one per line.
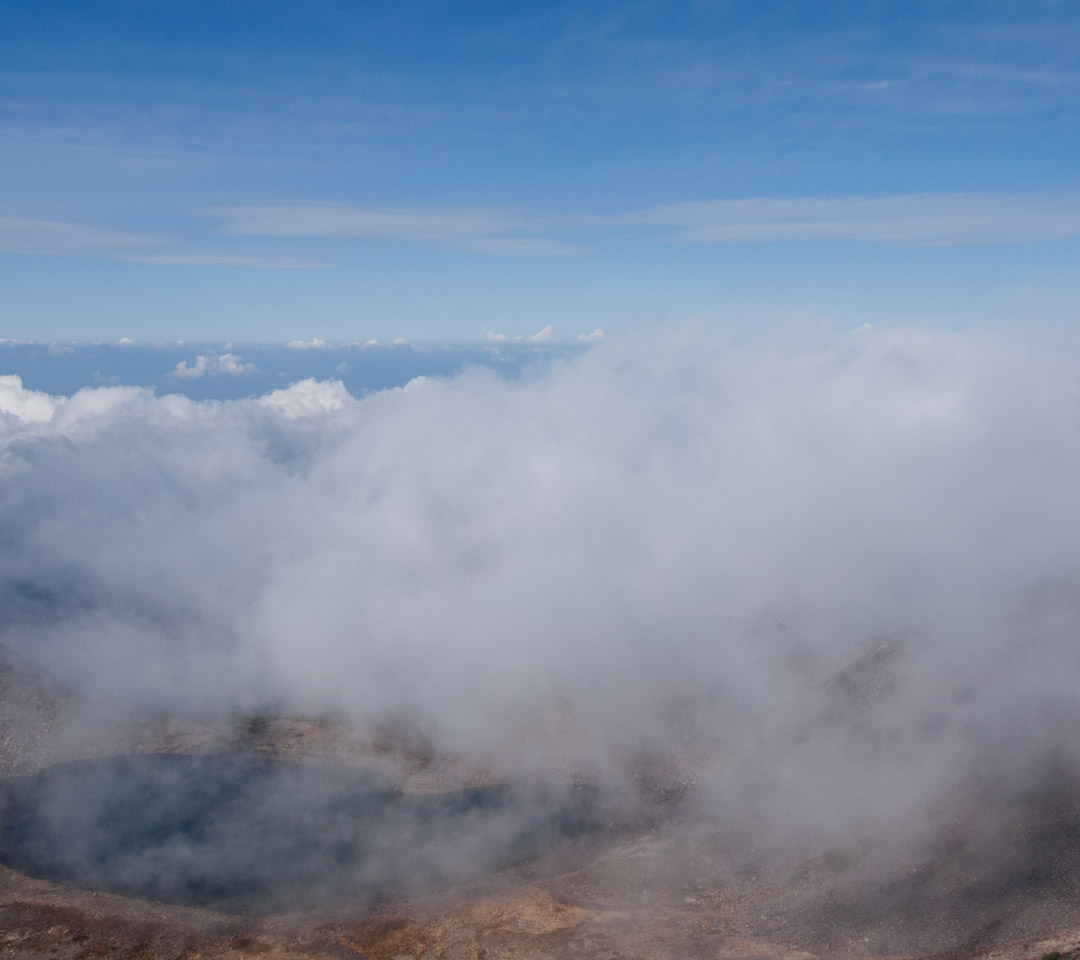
column 654, row 887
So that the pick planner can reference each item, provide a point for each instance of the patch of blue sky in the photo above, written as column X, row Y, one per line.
column 217, row 371
column 432, row 170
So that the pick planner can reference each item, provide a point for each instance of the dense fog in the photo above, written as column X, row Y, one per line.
column 835, row 577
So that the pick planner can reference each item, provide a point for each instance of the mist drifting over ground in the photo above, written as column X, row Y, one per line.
column 841, row 572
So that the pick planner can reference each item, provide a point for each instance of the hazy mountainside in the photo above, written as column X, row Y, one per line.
column 999, row 871
column 34, row 708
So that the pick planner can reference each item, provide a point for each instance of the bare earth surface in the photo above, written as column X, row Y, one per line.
column 650, row 889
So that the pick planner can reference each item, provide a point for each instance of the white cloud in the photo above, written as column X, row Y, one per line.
column 208, row 258
column 58, row 238
column 213, row 365
column 914, row 220
column 905, row 220
column 593, row 337
column 125, row 342
column 313, row 344
column 519, row 247
column 383, row 223
column 481, row 230
column 541, row 336
column 29, row 406
column 665, row 545
column 308, row 398
column 496, row 337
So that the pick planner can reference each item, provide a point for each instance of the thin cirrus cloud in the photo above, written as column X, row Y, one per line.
column 915, row 220
column 484, row 230
column 60, row 238
column 918, row 220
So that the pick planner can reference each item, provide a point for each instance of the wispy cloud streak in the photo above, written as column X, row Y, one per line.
column 917, row 220
column 487, row 230
column 60, row 238
column 913, row 220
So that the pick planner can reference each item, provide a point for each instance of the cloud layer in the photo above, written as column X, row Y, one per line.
column 843, row 572
column 917, row 220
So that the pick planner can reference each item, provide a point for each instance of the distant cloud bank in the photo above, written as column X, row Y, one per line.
column 213, row 365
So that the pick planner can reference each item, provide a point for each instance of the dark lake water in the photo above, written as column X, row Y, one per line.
column 238, row 832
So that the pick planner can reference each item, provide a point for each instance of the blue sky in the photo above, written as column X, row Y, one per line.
column 435, row 171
